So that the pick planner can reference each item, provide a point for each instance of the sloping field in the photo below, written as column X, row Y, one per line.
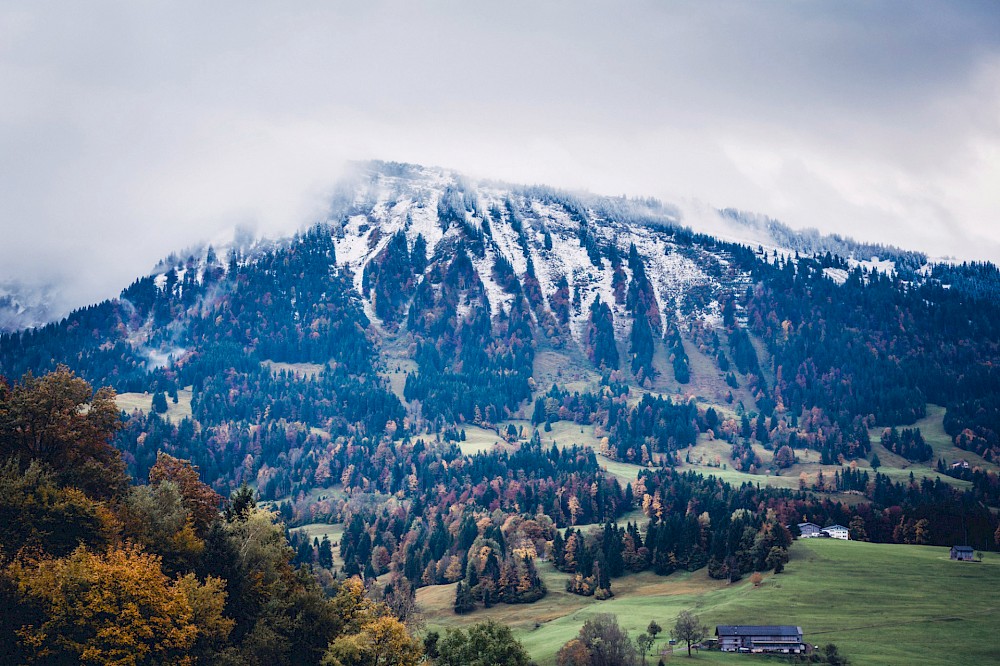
column 879, row 603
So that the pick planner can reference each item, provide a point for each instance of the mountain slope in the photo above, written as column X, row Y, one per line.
column 485, row 292
column 405, row 367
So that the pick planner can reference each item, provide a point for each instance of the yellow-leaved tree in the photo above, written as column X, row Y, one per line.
column 114, row 608
column 370, row 635
column 382, row 641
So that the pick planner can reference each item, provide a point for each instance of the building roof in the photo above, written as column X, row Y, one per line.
column 801, row 525
column 757, row 630
column 964, row 549
column 835, row 527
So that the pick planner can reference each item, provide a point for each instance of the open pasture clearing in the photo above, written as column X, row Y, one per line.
column 932, row 429
column 176, row 412
column 879, row 603
column 318, row 531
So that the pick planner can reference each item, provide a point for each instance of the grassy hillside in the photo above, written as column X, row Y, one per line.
column 932, row 429
column 881, row 604
column 712, row 456
column 306, row 370
column 176, row 412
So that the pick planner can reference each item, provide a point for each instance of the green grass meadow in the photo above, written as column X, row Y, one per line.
column 879, row 603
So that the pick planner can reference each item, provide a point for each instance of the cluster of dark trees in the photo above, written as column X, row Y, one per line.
column 391, row 276
column 746, row 362
column 744, row 458
column 640, row 302
column 591, row 560
column 697, row 521
column 471, row 368
column 585, row 408
column 600, row 336
column 656, row 425
column 494, row 574
column 678, row 356
column 908, row 443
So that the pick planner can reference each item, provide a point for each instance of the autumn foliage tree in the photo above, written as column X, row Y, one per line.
column 61, row 422
column 37, row 514
column 380, row 641
column 200, row 501
column 115, row 608
column 484, row 644
column 155, row 517
column 601, row 642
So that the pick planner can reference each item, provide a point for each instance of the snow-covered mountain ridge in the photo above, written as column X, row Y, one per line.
column 521, row 225
column 583, row 238
column 379, row 199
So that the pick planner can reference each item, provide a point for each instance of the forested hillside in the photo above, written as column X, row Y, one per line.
column 334, row 374
column 96, row 570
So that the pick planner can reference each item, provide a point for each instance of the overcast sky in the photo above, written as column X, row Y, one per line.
column 131, row 129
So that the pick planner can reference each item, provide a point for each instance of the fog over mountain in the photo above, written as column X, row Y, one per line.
column 129, row 132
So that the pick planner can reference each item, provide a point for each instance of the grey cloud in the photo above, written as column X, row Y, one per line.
column 130, row 130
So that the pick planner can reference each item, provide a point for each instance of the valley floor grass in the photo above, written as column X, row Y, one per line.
column 879, row 603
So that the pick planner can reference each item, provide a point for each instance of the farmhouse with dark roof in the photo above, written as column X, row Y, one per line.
column 809, row 530
column 961, row 553
column 760, row 638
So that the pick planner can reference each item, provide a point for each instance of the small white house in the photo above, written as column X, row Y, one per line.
column 809, row 530
column 837, row 532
